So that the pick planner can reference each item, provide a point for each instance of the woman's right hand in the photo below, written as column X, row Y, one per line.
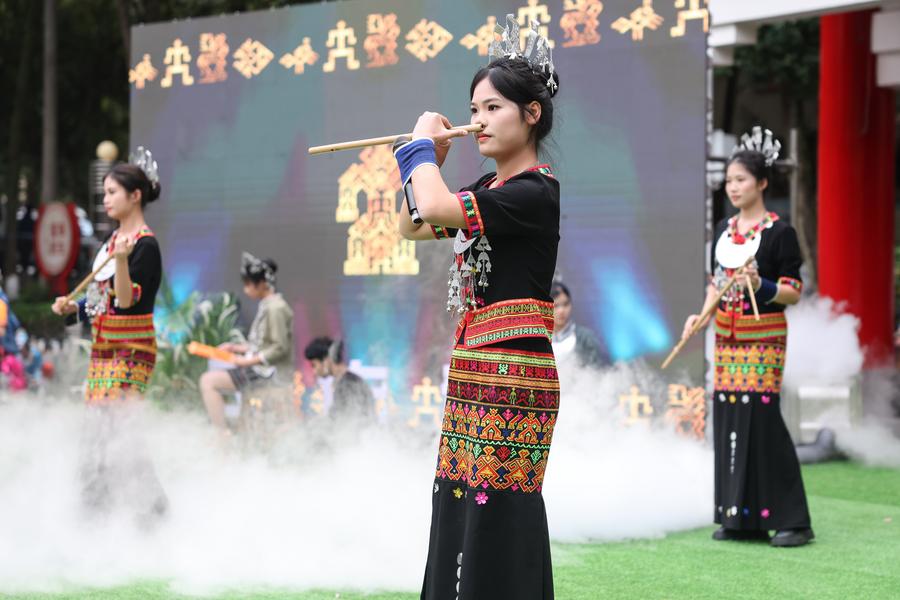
column 62, row 306
column 689, row 325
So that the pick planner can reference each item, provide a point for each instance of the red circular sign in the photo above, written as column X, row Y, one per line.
column 56, row 239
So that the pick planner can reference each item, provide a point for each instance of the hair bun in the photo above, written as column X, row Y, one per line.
column 154, row 191
column 271, row 264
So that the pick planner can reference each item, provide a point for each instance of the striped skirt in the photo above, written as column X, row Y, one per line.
column 489, row 536
column 123, row 354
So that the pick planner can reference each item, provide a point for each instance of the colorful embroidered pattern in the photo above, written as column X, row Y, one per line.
column 498, row 419
column 507, row 320
column 749, row 367
column 739, row 238
column 794, row 283
column 746, row 327
column 123, row 355
column 471, row 214
column 439, row 232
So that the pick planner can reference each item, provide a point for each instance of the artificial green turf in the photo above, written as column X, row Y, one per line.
column 856, row 516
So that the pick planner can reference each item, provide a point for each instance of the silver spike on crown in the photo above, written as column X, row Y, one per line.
column 537, row 50
column 143, row 158
column 762, row 141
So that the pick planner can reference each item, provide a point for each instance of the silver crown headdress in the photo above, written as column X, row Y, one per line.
column 253, row 268
column 537, row 49
column 143, row 158
column 762, row 141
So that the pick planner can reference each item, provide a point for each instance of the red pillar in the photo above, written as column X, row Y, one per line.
column 856, row 182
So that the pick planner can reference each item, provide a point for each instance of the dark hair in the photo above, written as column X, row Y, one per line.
column 753, row 161
column 132, row 177
column 558, row 288
column 321, row 347
column 517, row 82
column 258, row 276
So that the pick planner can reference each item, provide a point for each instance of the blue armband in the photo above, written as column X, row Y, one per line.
column 413, row 155
column 767, row 291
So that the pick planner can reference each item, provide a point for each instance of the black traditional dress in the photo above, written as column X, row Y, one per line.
column 489, row 536
column 116, row 469
column 757, row 474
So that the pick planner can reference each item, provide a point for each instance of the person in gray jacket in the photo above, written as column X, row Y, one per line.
column 268, row 354
column 571, row 340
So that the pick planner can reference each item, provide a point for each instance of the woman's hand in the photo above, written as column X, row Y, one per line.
column 63, row 307
column 438, row 128
column 689, row 325
column 752, row 272
column 122, row 248
column 245, row 361
column 227, row 347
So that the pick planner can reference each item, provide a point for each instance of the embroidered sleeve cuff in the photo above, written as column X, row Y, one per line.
column 794, row 283
column 135, row 293
column 471, row 214
column 440, row 233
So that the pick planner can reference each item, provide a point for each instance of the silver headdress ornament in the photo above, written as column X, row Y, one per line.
column 143, row 158
column 537, row 49
column 253, row 268
column 762, row 141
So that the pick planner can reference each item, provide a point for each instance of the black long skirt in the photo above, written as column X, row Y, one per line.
column 757, row 475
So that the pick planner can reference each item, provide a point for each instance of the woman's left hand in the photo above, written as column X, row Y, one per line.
column 755, row 280
column 244, row 361
column 123, row 247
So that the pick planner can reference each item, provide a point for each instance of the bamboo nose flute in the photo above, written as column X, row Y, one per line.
column 378, row 141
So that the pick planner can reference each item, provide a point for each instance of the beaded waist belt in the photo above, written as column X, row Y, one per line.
column 124, row 331
column 507, row 320
column 746, row 327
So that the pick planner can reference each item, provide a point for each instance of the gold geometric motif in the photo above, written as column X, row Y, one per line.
column 142, row 73
column 687, row 410
column 691, row 13
column 427, row 39
column 532, row 12
column 178, row 57
column 640, row 19
column 212, row 60
column 482, row 37
column 252, row 58
column 374, row 245
column 431, row 400
column 341, row 39
column 302, row 56
column 581, row 14
column 381, row 43
column 636, row 406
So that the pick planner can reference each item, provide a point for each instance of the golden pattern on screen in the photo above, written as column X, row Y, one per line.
column 302, row 57
column 691, row 10
column 427, row 39
column 429, row 403
column 686, row 410
column 580, row 22
column 213, row 59
column 381, row 42
column 252, row 58
column 142, row 73
column 342, row 41
column 640, row 19
column 482, row 37
column 374, row 244
column 636, row 407
column 178, row 62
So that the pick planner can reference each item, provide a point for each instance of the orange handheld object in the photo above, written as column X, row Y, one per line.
column 206, row 351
